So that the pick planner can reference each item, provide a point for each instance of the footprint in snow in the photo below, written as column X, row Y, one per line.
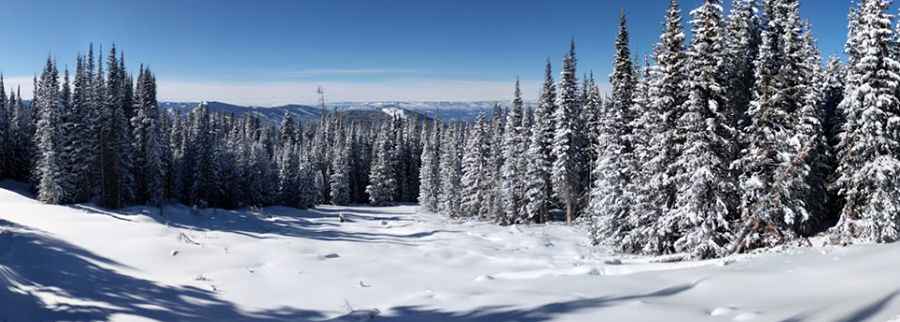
column 484, row 278
column 329, row 256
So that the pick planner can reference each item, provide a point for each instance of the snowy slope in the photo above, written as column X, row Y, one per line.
column 80, row 263
column 456, row 111
column 273, row 115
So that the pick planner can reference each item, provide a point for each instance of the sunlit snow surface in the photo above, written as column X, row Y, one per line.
column 80, row 263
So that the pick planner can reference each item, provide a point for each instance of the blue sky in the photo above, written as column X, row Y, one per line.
column 268, row 52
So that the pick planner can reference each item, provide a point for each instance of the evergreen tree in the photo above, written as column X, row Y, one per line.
column 475, row 169
column 147, row 146
column 742, row 41
column 5, row 132
column 512, row 184
column 429, row 176
column 307, row 189
column 833, row 94
column 705, row 187
column 611, row 198
column 80, row 122
column 567, row 165
column 51, row 183
column 781, row 172
column 289, row 175
column 539, row 193
column 22, row 128
column 201, row 164
column 112, row 128
column 382, row 184
column 867, row 159
column 654, row 184
column 340, row 176
column 450, row 198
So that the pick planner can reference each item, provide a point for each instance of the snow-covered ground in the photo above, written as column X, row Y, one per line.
column 80, row 263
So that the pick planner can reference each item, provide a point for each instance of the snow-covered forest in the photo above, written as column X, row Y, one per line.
column 739, row 138
column 732, row 174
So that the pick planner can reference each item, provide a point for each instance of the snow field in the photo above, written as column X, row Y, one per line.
column 397, row 264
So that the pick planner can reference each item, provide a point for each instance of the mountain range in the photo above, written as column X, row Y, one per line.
column 446, row 110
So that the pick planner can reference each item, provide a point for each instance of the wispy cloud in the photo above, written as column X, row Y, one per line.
column 25, row 82
column 351, row 72
column 304, row 91
column 277, row 93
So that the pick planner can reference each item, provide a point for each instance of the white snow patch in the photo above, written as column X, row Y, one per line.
column 63, row 263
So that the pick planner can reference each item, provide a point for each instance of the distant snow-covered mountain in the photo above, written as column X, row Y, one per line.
column 444, row 110
column 269, row 114
column 447, row 111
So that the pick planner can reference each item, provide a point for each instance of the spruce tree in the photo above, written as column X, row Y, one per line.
column 382, row 184
column 112, row 127
column 475, row 169
column 706, row 190
column 340, row 176
column 429, row 176
column 782, row 172
column 203, row 187
column 867, row 159
column 5, row 132
column 539, row 193
column 833, row 94
column 568, row 164
column 307, row 189
column 83, row 141
column 611, row 197
column 22, row 128
column 51, row 183
column 742, row 41
column 666, row 91
column 511, row 185
column 147, row 147
column 450, row 197
column 289, row 175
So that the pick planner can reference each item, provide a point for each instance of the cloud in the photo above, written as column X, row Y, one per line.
column 277, row 93
column 350, row 72
column 304, row 92
column 26, row 83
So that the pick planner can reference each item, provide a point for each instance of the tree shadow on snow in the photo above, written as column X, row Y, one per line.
column 865, row 313
column 366, row 213
column 32, row 263
column 547, row 312
column 18, row 188
column 271, row 222
column 289, row 222
column 869, row 311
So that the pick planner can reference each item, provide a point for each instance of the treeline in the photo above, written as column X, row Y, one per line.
column 737, row 139
column 99, row 135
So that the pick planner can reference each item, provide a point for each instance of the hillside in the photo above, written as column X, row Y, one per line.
column 448, row 111
column 81, row 263
column 275, row 114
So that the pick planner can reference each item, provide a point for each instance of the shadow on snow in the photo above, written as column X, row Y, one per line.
column 33, row 262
